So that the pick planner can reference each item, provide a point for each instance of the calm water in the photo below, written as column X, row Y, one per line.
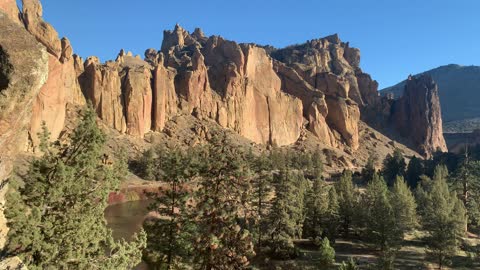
column 126, row 219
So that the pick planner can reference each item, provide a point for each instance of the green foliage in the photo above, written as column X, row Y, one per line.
column 56, row 209
column 351, row 264
column 443, row 216
column 393, row 166
column 169, row 236
column 347, row 201
column 221, row 201
column 287, row 214
column 326, row 253
column 403, row 206
column 382, row 227
column 317, row 164
column 414, row 170
column 466, row 182
column 369, row 170
column 321, row 212
column 262, row 188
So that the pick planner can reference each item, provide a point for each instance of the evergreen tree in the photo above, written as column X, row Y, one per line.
column 466, row 182
column 347, row 201
column 414, row 171
column 262, row 188
column 284, row 215
column 147, row 165
column 332, row 216
column 443, row 217
column 317, row 164
column 221, row 204
column 382, row 228
column 327, row 254
column 403, row 205
column 56, row 213
column 393, row 166
column 169, row 237
column 369, row 170
column 316, row 209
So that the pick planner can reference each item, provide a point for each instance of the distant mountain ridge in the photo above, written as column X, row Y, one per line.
column 459, row 90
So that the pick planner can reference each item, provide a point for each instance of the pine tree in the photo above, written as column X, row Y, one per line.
column 56, row 213
column 393, row 166
column 147, row 165
column 221, row 204
column 414, row 171
column 317, row 164
column 316, row 209
column 169, row 237
column 382, row 228
column 347, row 201
column 369, row 170
column 443, row 217
column 284, row 215
column 327, row 254
column 466, row 182
column 332, row 216
column 262, row 188
column 403, row 205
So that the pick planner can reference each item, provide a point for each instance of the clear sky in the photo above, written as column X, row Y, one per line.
column 396, row 37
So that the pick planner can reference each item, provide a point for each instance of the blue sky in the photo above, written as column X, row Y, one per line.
column 396, row 37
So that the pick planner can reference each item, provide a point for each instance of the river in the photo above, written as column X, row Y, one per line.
column 125, row 219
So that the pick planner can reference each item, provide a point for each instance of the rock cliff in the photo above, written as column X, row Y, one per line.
column 23, row 72
column 267, row 95
column 417, row 115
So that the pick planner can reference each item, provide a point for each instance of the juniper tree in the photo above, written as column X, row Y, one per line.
column 221, row 205
column 56, row 211
column 170, row 235
column 326, row 254
column 443, row 217
column 332, row 216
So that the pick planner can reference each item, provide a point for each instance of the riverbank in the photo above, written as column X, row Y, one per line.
column 134, row 189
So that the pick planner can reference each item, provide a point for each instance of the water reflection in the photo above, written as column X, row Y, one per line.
column 126, row 219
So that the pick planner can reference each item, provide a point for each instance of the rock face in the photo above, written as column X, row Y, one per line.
column 417, row 115
column 265, row 94
column 325, row 75
column 23, row 69
column 62, row 85
column 234, row 85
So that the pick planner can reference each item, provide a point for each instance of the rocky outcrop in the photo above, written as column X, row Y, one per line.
column 325, row 75
column 10, row 9
column 45, row 33
column 24, row 69
column 417, row 115
column 234, row 85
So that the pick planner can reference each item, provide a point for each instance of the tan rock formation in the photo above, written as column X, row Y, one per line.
column 25, row 69
column 10, row 8
column 417, row 115
column 45, row 33
column 102, row 86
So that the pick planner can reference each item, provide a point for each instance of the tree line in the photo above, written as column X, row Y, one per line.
column 221, row 206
